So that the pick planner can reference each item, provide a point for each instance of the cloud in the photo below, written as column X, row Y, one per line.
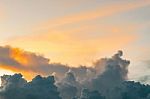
column 31, row 64
column 66, row 46
column 18, row 60
column 135, row 90
column 111, row 72
column 107, row 79
column 110, row 80
column 69, row 86
column 86, row 94
column 65, row 43
column 17, row 87
column 100, row 12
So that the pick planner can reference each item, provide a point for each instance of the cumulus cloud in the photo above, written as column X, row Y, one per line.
column 111, row 80
column 106, row 79
column 16, row 87
column 68, row 86
column 115, row 71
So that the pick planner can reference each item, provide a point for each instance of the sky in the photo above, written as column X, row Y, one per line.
column 78, row 32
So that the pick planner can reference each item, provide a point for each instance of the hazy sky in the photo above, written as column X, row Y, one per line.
column 79, row 31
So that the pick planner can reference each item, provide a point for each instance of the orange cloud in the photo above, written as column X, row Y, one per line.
column 36, row 64
column 28, row 74
column 17, row 55
column 17, row 60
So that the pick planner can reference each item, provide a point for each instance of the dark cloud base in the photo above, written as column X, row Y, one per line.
column 107, row 79
column 16, row 87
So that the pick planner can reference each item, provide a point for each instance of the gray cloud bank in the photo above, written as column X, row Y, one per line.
column 16, row 87
column 106, row 79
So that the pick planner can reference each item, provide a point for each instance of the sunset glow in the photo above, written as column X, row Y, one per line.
column 74, row 32
column 74, row 49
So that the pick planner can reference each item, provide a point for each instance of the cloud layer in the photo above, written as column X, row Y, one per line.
column 106, row 79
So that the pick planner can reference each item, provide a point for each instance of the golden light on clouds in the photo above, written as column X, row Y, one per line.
column 19, row 61
column 71, row 32
column 71, row 49
column 11, row 69
column 17, row 55
column 66, row 38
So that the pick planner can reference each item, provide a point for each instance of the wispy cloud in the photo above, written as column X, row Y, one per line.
column 56, row 39
column 100, row 12
column 63, row 46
